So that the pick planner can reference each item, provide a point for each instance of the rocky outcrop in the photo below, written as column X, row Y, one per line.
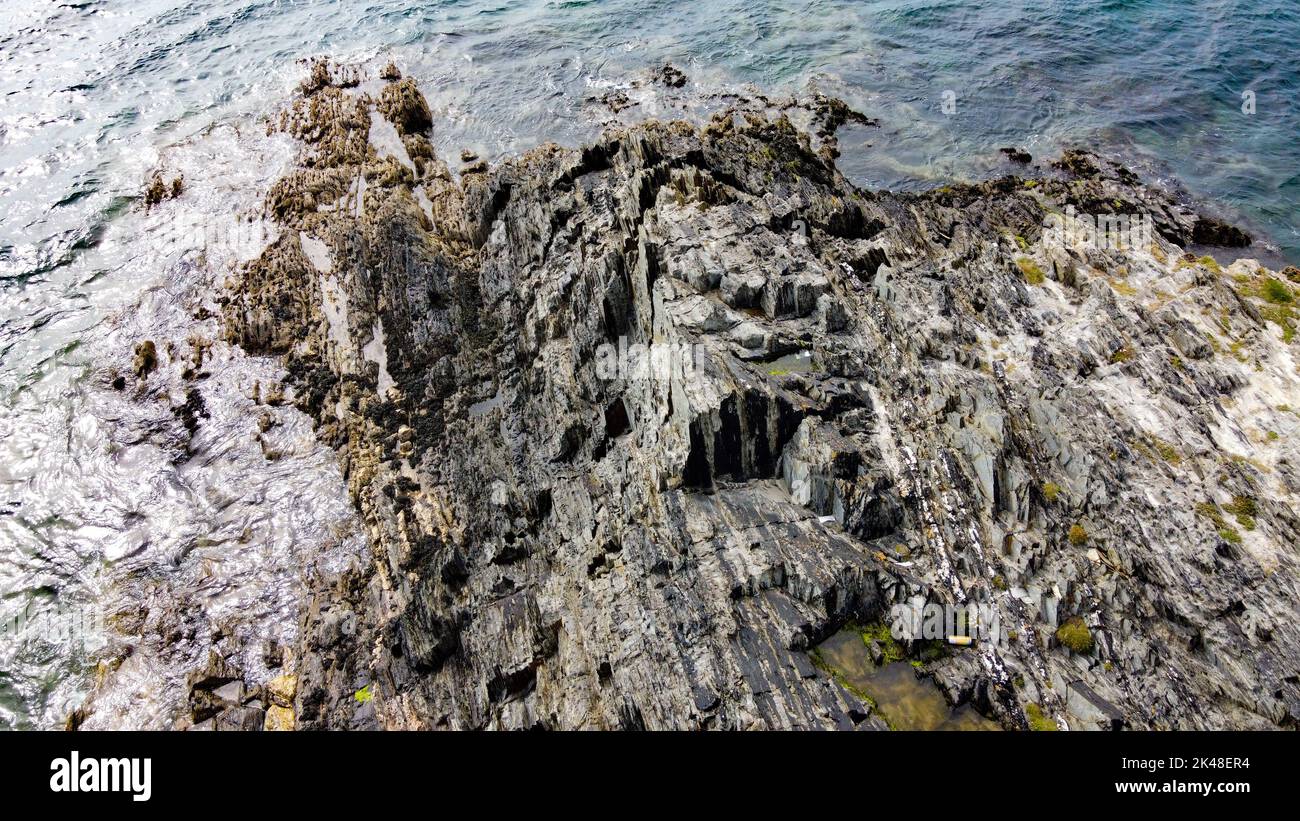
column 634, row 426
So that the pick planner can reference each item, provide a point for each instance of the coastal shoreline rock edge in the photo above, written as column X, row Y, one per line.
column 634, row 426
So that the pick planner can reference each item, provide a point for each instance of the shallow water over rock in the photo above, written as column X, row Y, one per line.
column 161, row 498
column 905, row 699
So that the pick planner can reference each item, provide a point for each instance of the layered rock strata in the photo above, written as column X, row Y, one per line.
column 634, row 426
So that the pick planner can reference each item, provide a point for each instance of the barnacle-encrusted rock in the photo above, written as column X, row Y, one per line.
column 403, row 103
column 635, row 425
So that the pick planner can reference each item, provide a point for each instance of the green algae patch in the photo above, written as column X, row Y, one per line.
column 896, row 691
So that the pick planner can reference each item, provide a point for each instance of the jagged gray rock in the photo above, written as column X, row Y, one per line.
column 635, row 425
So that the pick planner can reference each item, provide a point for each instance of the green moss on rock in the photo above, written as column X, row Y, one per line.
column 1227, row 532
column 1030, row 270
column 1038, row 722
column 1124, row 354
column 1075, row 635
column 889, row 646
column 1275, row 291
column 1244, row 509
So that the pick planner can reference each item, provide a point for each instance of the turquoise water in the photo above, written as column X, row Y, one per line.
column 91, row 88
column 98, row 93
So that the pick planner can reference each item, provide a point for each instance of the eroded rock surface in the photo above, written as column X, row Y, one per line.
column 851, row 399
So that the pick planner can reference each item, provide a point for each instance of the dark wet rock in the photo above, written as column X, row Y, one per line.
column 1079, row 162
column 670, row 76
column 1209, row 231
column 831, row 113
column 1018, row 155
column 214, row 688
column 192, row 411
column 615, row 100
column 323, row 73
column 159, row 190
column 75, row 719
column 146, row 359
column 567, row 532
column 404, row 106
column 317, row 78
column 239, row 719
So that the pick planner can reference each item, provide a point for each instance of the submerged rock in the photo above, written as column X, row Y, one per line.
column 635, row 425
column 146, row 359
column 1209, row 231
column 1017, row 155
